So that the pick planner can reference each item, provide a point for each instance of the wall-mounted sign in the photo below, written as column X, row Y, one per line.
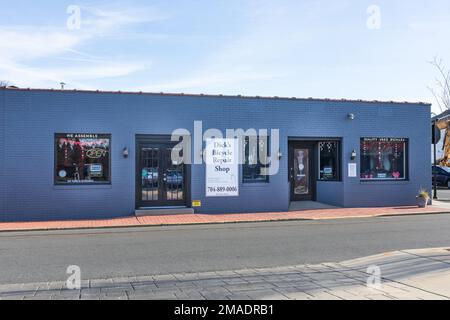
column 222, row 169
column 352, row 170
column 196, row 203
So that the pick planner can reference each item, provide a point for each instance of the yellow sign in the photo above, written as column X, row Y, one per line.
column 196, row 203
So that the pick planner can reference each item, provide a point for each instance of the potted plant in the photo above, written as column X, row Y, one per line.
column 422, row 198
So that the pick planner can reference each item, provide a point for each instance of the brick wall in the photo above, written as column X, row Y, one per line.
column 31, row 119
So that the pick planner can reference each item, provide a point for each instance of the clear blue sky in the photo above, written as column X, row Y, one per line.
column 286, row 48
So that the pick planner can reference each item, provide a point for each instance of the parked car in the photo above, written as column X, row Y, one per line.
column 149, row 177
column 442, row 175
column 174, row 178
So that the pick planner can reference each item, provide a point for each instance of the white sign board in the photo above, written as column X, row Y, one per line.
column 222, row 168
column 352, row 172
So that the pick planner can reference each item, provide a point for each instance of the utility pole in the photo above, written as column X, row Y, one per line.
column 435, row 135
column 435, row 164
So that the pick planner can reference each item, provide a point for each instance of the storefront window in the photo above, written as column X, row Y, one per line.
column 329, row 160
column 383, row 159
column 82, row 158
column 255, row 151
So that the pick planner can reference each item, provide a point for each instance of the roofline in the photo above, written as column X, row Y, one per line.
column 441, row 117
column 214, row 96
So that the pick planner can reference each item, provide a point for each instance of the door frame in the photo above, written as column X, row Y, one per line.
column 158, row 140
column 312, row 146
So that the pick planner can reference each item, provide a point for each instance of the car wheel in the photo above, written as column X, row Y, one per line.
column 448, row 183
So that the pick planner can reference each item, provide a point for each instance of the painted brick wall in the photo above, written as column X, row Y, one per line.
column 2, row 153
column 33, row 117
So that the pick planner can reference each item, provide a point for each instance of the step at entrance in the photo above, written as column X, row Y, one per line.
column 142, row 212
column 309, row 205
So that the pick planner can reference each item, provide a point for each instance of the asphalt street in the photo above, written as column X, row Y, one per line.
column 44, row 256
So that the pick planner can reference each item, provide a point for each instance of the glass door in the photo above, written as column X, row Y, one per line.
column 160, row 180
column 150, row 175
column 301, row 171
column 173, row 179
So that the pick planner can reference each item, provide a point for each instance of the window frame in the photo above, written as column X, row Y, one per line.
column 338, row 161
column 251, row 181
column 405, row 162
column 55, row 165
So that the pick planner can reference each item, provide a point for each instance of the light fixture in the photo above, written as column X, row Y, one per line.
column 353, row 157
column 351, row 116
column 125, row 152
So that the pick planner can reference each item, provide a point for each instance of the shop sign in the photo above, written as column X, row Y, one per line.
column 384, row 140
column 352, row 170
column 222, row 169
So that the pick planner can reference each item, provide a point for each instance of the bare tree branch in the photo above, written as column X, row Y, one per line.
column 4, row 84
column 436, row 97
column 442, row 83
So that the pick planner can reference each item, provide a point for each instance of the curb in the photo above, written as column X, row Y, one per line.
column 412, row 214
column 154, row 225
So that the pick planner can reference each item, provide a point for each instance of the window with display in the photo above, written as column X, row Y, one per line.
column 329, row 160
column 383, row 159
column 82, row 158
column 255, row 151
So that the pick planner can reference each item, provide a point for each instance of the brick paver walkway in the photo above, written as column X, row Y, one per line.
column 133, row 221
column 409, row 274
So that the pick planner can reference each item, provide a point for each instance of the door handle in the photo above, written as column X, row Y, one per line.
column 291, row 174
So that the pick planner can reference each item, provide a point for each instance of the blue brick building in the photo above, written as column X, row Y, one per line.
column 80, row 154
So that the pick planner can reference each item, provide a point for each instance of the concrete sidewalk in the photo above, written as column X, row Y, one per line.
column 410, row 274
column 133, row 221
